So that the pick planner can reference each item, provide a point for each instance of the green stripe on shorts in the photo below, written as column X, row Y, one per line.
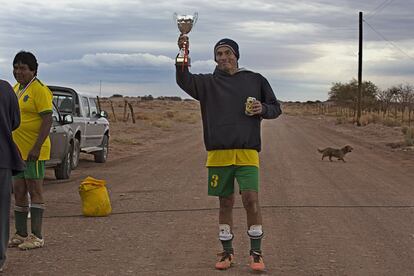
column 34, row 170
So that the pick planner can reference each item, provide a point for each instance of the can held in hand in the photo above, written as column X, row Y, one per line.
column 249, row 106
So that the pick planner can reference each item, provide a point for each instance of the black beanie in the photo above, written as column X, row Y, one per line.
column 229, row 43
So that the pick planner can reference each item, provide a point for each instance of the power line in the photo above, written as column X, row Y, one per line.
column 379, row 8
column 389, row 41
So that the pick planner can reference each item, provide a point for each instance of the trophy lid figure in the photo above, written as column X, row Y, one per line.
column 232, row 139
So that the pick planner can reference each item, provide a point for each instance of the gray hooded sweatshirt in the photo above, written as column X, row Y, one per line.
column 222, row 100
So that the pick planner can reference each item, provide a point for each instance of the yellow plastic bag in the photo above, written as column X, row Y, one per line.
column 95, row 198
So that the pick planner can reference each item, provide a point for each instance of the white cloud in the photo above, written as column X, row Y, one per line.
column 203, row 65
column 271, row 28
column 388, row 51
column 105, row 60
column 332, row 62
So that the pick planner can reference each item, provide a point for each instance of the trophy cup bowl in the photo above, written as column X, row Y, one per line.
column 184, row 23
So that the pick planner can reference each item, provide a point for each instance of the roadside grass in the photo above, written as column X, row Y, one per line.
column 152, row 118
column 345, row 116
column 408, row 135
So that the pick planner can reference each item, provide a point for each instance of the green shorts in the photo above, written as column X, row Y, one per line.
column 221, row 179
column 34, row 170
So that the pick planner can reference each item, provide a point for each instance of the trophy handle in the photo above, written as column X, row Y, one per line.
column 195, row 18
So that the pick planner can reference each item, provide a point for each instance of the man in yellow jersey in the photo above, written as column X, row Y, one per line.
column 10, row 161
column 232, row 139
column 32, row 139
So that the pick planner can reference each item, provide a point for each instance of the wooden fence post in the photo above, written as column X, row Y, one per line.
column 125, row 110
column 113, row 110
column 132, row 112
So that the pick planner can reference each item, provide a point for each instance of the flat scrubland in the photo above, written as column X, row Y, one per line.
column 157, row 119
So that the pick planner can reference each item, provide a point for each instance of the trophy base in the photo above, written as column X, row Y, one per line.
column 183, row 60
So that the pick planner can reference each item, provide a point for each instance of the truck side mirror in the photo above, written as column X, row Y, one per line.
column 68, row 119
column 103, row 114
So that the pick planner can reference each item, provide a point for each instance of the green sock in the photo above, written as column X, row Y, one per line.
column 36, row 218
column 256, row 245
column 228, row 246
column 20, row 222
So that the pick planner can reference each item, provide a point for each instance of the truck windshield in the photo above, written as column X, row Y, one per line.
column 64, row 103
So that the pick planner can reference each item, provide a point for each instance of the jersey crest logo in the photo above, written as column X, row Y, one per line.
column 25, row 98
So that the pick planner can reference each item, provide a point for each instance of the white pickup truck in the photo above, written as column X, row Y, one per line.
column 90, row 125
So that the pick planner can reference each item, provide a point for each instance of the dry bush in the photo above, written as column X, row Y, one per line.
column 391, row 122
column 190, row 118
column 370, row 118
column 142, row 116
column 344, row 120
column 341, row 120
column 155, row 110
column 165, row 125
column 293, row 109
column 405, row 129
column 169, row 114
column 408, row 135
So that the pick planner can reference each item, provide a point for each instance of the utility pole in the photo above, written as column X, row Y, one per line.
column 359, row 71
column 100, row 89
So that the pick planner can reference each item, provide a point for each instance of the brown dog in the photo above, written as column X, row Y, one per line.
column 338, row 153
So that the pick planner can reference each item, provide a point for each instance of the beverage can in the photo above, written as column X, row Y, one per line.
column 249, row 105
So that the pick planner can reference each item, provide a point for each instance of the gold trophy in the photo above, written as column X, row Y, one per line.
column 185, row 23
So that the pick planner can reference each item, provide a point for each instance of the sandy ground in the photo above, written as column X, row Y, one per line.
column 320, row 217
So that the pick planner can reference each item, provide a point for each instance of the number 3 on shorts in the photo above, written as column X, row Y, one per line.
column 214, row 180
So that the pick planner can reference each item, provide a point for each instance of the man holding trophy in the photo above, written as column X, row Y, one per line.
column 232, row 138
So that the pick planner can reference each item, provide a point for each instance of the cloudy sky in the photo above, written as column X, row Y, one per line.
column 128, row 47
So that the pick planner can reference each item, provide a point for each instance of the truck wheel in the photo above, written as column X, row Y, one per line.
column 63, row 170
column 75, row 154
column 102, row 155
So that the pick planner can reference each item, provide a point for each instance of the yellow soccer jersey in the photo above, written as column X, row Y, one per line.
column 239, row 157
column 35, row 100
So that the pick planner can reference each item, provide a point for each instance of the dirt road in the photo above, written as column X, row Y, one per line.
column 320, row 217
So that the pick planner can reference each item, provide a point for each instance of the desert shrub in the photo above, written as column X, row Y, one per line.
column 404, row 129
column 371, row 118
column 340, row 120
column 161, row 124
column 375, row 118
column 169, row 114
column 147, row 98
column 192, row 118
column 408, row 136
column 344, row 120
column 169, row 98
column 364, row 120
column 391, row 122
column 142, row 116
